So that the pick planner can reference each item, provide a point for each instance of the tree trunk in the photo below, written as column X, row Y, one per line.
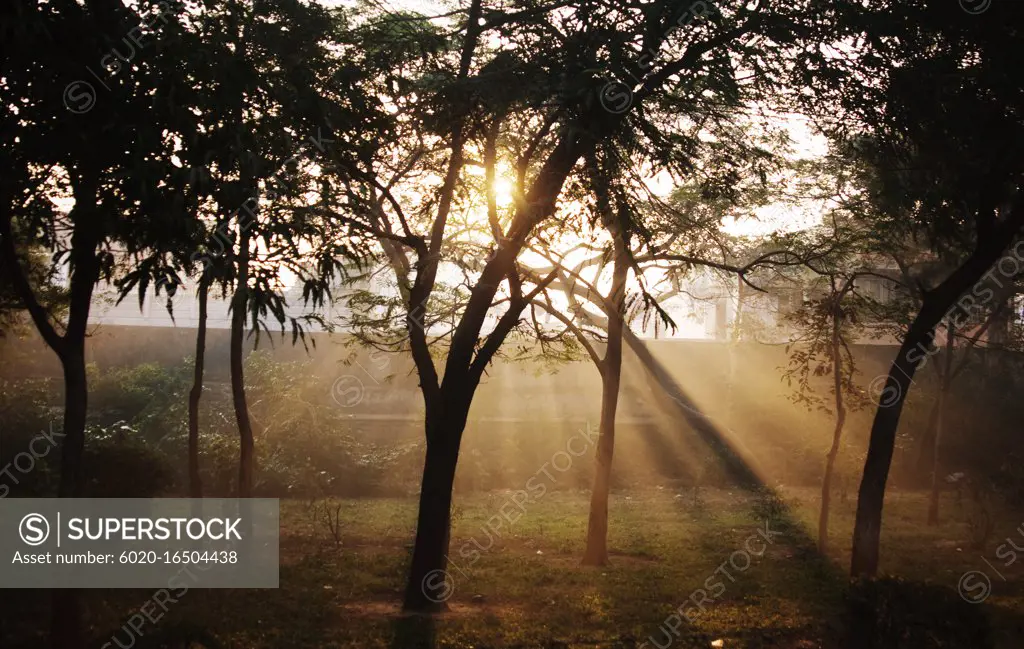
column 926, row 448
column 66, row 628
column 76, row 397
column 837, row 436
column 238, row 313
column 868, row 526
column 430, row 585
column 447, row 409
column 596, row 552
column 915, row 348
column 936, row 484
column 195, row 482
column 947, row 379
column 998, row 337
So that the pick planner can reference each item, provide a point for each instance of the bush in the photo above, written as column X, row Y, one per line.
column 28, row 411
column 152, row 397
column 119, row 464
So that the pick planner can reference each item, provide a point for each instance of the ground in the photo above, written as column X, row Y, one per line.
column 523, row 586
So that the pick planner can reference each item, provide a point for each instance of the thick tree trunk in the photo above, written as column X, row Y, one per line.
column 195, row 482
column 66, row 628
column 837, row 436
column 76, row 397
column 447, row 404
column 871, row 497
column 430, row 584
column 246, row 444
column 947, row 380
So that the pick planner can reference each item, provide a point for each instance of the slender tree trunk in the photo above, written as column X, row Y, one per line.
column 935, row 488
column 947, row 376
column 998, row 336
column 195, row 482
column 238, row 313
column 430, row 584
column 837, row 436
column 926, row 448
column 596, row 552
column 868, row 526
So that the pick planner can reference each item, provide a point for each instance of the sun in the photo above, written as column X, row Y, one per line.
column 503, row 191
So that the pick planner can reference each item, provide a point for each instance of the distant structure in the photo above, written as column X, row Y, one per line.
column 703, row 308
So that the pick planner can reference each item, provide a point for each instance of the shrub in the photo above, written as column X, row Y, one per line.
column 119, row 464
column 28, row 410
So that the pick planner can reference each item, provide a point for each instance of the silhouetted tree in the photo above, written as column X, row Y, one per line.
column 110, row 168
column 938, row 122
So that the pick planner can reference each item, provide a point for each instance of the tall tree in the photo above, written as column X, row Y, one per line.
column 110, row 169
column 935, row 123
column 260, row 114
column 502, row 72
column 824, row 327
column 674, row 237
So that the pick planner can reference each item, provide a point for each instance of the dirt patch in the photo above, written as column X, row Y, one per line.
column 393, row 609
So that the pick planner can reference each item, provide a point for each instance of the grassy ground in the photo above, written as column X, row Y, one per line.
column 525, row 587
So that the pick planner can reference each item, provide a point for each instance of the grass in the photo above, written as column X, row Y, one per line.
column 525, row 587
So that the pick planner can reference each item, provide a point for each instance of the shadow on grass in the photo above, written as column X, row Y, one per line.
column 742, row 602
column 414, row 632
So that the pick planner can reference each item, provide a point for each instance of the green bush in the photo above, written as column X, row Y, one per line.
column 152, row 397
column 30, row 423
column 119, row 464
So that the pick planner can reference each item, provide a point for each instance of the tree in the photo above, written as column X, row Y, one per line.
column 676, row 237
column 128, row 207
column 948, row 368
column 551, row 98
column 612, row 212
column 935, row 126
column 111, row 168
column 916, row 270
column 825, row 326
column 256, row 131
